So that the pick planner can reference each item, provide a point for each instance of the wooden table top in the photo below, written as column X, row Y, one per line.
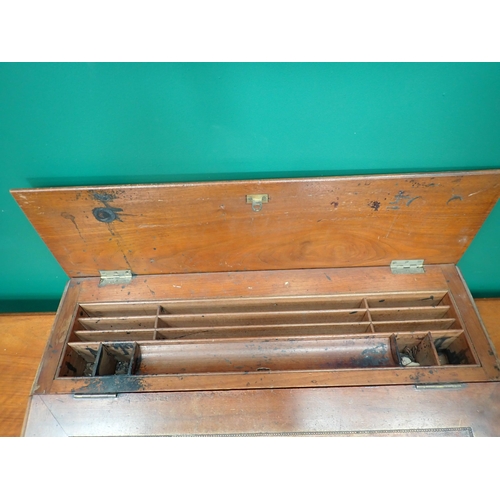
column 23, row 338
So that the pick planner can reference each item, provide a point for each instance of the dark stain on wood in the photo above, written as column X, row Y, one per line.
column 438, row 343
column 106, row 214
column 70, row 367
column 453, row 198
column 373, row 356
column 420, row 184
column 104, row 197
column 113, row 384
column 416, row 378
column 125, row 347
column 92, row 351
column 456, row 357
column 399, row 198
column 70, row 217
column 375, row 205
column 412, row 200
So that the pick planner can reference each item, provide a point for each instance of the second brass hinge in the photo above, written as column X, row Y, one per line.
column 439, row 386
column 94, row 396
column 115, row 277
column 407, row 266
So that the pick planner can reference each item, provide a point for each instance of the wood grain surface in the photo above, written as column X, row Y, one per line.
column 308, row 223
column 312, row 410
column 23, row 338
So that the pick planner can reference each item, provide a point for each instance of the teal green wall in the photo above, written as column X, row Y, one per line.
column 77, row 124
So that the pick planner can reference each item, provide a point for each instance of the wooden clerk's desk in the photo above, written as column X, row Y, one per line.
column 315, row 306
column 25, row 336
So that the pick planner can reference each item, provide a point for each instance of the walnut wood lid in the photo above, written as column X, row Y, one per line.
column 306, row 223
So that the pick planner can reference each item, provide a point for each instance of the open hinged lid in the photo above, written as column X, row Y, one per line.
column 262, row 225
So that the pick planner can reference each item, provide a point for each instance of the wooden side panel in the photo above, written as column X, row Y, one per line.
column 489, row 311
column 22, row 339
column 65, row 317
column 307, row 223
column 277, row 411
column 471, row 320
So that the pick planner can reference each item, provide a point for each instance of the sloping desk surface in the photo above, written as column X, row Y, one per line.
column 22, row 342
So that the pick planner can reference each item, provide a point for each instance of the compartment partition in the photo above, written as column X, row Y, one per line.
column 324, row 332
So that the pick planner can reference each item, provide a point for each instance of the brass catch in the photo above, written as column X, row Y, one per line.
column 257, row 200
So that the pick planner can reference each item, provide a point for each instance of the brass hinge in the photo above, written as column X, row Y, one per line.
column 115, row 277
column 94, row 396
column 407, row 266
column 439, row 386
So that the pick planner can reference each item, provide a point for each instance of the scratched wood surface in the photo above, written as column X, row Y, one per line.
column 328, row 410
column 23, row 338
column 308, row 223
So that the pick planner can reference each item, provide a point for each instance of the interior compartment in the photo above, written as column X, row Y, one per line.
column 113, row 335
column 251, row 331
column 117, row 358
column 454, row 349
column 409, row 313
column 262, row 318
column 410, row 299
column 415, row 350
column 79, row 360
column 266, row 333
column 434, row 349
column 101, row 310
column 265, row 355
column 227, row 305
column 117, row 323
column 99, row 359
column 414, row 325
